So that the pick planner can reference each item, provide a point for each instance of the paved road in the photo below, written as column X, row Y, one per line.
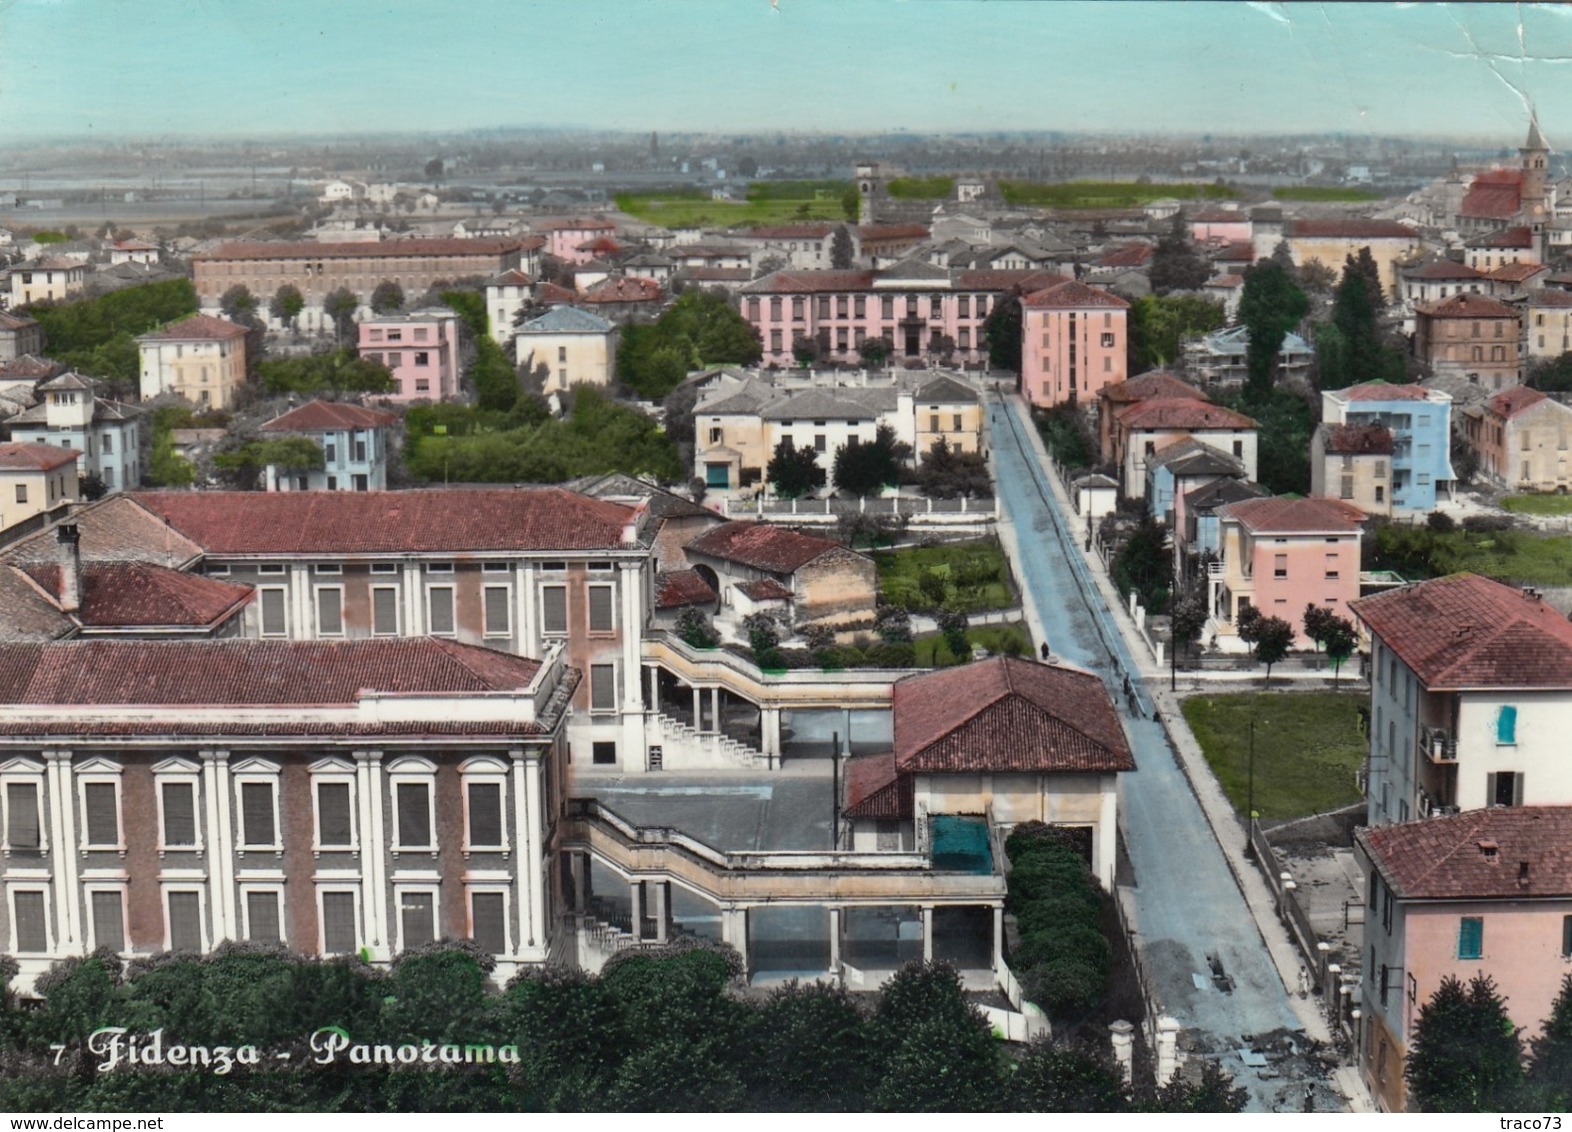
column 1188, row 904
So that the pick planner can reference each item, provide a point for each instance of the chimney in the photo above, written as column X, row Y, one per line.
column 69, row 540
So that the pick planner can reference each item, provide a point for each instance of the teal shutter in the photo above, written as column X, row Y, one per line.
column 1470, row 938
column 1506, row 725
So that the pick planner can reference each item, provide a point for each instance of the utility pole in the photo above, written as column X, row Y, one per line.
column 835, row 786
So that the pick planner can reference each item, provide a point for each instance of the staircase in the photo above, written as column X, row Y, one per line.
column 682, row 746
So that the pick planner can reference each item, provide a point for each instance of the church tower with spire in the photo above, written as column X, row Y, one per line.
column 1534, row 209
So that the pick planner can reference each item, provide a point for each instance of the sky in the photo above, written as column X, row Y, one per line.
column 136, row 69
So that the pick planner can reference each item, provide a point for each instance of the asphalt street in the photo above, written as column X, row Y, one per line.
column 1189, row 908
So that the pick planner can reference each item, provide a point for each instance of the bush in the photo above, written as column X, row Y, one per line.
column 1063, row 957
column 694, row 627
column 1441, row 523
column 1481, row 524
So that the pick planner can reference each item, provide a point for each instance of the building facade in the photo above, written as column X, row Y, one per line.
column 354, row 444
column 37, row 482
column 420, row 350
column 201, row 358
column 1521, row 438
column 106, row 433
column 575, row 347
column 1420, row 421
column 1470, row 336
column 1072, row 344
column 46, row 281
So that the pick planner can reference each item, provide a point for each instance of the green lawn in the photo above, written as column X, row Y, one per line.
column 1324, row 193
column 1539, row 504
column 1307, row 748
column 1515, row 557
column 685, row 208
column 933, row 653
column 1106, row 194
column 976, row 575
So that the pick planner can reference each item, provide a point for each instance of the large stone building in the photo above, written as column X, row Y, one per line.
column 107, row 433
column 1072, row 343
column 1470, row 336
column 201, row 358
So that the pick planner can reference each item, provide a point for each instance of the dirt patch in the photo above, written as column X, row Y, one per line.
column 1303, row 836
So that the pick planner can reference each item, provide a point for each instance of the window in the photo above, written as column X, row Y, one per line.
column 483, row 803
column 1331, row 566
column 1279, row 565
column 417, row 918
column 335, row 812
column 603, row 687
column 384, row 611
column 601, row 609
column 439, row 567
column 495, row 567
column 603, row 753
column 177, row 809
column 1346, row 487
column 108, row 909
column 330, row 611
column 498, row 620
column 1566, row 937
column 1506, row 726
column 183, row 919
column 1504, row 789
column 1380, row 494
column 29, row 921
column 439, row 610
column 1107, row 341
column 101, row 814
column 330, row 453
column 384, row 567
column 717, row 436
column 488, row 920
column 23, row 829
column 259, row 814
column 554, row 610
column 422, row 358
column 1471, row 938
column 262, row 922
column 274, row 621
column 340, row 931
column 887, row 306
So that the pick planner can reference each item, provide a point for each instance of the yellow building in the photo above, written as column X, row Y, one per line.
column 1547, row 326
column 36, row 480
column 1331, row 241
column 46, row 280
column 1353, row 462
column 575, row 346
column 201, row 358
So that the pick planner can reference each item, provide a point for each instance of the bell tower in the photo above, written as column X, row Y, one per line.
column 1533, row 207
column 867, row 189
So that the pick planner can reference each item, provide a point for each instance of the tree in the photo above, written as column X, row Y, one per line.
column 1340, row 642
column 435, row 168
column 91, row 487
column 1186, row 621
column 340, row 306
column 238, row 304
column 953, row 623
column 495, row 380
column 841, row 249
column 851, row 204
column 1315, row 623
column 242, row 465
column 1002, row 331
column 1350, row 350
column 694, row 627
column 1144, row 567
column 1158, row 326
column 941, row 348
column 387, row 298
column 805, row 350
column 696, row 331
column 1274, row 637
column 1550, row 1060
column 1248, row 625
column 677, row 413
column 1270, row 306
column 1553, row 375
column 1317, row 277
column 286, row 304
column 339, row 371
column 1175, row 264
column 1465, row 1054
column 810, row 1051
column 794, row 472
column 946, row 473
column 1067, row 1078
column 865, row 469
column 1214, row 1092
column 874, row 352
column 932, row 1051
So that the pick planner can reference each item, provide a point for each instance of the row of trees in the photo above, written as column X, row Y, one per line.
column 866, row 469
column 698, row 330
column 97, row 336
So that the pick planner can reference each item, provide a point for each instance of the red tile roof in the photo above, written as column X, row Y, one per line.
column 623, row 289
column 1465, row 631
column 1385, row 391
column 317, row 416
column 875, row 790
column 1359, row 440
column 1517, row 272
column 207, row 728
column 1002, row 279
column 1504, row 852
column 28, row 366
column 554, row 293
column 1007, row 715
column 1510, row 402
column 1286, row 514
column 512, row 277
column 1519, row 237
column 1180, row 412
column 197, row 328
column 370, row 249
column 1495, row 195
column 791, row 231
column 1225, row 282
column 1350, row 229
column 17, row 455
column 1127, row 255
column 250, row 672
column 1072, row 295
column 1466, row 306
column 1550, row 297
column 1157, row 383
column 141, row 594
column 389, row 522
column 1239, row 251
column 601, row 245
column 1443, row 269
column 873, row 233
column 765, row 589
column 113, row 529
column 799, row 282
column 764, row 546
column 676, row 588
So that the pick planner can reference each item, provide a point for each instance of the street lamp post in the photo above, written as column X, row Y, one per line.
column 1250, row 800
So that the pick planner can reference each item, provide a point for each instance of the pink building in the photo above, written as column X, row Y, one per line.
column 1483, row 891
column 910, row 304
column 1219, row 227
column 421, row 348
column 565, row 237
column 1073, row 343
column 1281, row 554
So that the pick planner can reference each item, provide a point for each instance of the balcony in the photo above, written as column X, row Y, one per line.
column 1438, row 745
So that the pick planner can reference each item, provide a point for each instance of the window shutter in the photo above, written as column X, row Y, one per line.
column 1506, row 725
column 384, row 610
column 185, row 921
column 554, row 609
column 1490, row 790
column 31, row 929
column 273, row 623
column 102, row 826
column 485, row 813
column 21, row 807
column 333, row 824
column 441, row 603
column 1517, row 788
column 417, row 924
column 486, row 914
column 330, row 611
column 600, row 618
column 603, row 687
column 496, row 609
column 256, row 813
column 1470, row 938
column 262, row 917
column 414, row 815
column 338, row 922
column 109, row 929
column 179, row 813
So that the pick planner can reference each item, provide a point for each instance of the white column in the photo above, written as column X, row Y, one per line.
column 630, row 584
column 302, row 623
column 1108, row 831
column 927, row 933
column 835, row 942
column 527, row 631
column 62, row 812
column 698, row 710
column 770, row 731
column 224, row 859
column 373, row 855
column 414, row 601
column 636, row 901
column 654, row 687
column 218, row 853
column 662, row 909
column 537, row 861
column 371, row 872
column 998, row 939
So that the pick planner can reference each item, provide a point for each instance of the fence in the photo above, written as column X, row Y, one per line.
column 1288, row 907
column 1161, row 1032
column 917, row 509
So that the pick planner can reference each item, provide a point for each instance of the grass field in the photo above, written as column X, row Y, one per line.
column 1308, row 747
column 1539, row 504
column 921, row 188
column 1324, row 193
column 1106, row 194
column 975, row 573
column 769, row 202
column 1518, row 557
column 933, row 653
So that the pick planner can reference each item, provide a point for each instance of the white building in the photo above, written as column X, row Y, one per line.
column 106, row 433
